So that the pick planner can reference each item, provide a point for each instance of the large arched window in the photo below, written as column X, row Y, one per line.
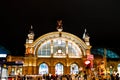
column 43, row 68
column 59, row 69
column 59, row 47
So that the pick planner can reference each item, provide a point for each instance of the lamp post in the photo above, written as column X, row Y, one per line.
column 105, row 61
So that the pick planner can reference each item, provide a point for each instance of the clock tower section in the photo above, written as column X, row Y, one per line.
column 30, row 58
column 29, row 48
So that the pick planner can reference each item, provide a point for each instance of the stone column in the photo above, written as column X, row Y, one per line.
column 52, row 69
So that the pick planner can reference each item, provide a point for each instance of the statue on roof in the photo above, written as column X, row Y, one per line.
column 59, row 25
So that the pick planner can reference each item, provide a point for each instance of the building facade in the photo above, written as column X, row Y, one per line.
column 56, row 52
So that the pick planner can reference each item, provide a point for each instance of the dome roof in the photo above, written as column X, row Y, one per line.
column 42, row 44
column 109, row 53
column 66, row 35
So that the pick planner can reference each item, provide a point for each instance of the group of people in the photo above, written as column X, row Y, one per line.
column 65, row 76
column 83, row 75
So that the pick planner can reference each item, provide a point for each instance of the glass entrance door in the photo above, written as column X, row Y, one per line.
column 74, row 69
column 43, row 69
column 59, row 69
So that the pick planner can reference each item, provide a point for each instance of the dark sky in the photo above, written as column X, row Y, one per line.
column 101, row 18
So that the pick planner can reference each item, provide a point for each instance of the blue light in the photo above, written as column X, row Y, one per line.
column 109, row 53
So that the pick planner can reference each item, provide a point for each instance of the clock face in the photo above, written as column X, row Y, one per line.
column 59, row 51
column 29, row 50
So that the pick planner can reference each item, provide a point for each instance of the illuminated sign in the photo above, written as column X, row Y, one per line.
column 90, row 57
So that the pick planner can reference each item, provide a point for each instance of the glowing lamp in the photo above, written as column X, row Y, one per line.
column 59, row 51
column 87, row 62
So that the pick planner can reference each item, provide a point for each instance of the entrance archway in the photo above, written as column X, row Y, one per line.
column 59, row 69
column 43, row 68
column 74, row 69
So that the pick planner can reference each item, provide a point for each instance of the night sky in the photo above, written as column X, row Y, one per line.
column 101, row 18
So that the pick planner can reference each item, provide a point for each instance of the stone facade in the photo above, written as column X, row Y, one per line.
column 47, row 49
